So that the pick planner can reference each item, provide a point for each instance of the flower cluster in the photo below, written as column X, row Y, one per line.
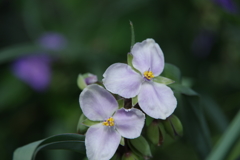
column 140, row 81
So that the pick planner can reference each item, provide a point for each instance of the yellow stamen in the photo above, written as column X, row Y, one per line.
column 109, row 122
column 148, row 74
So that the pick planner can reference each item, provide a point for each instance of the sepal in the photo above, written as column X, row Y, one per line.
column 120, row 103
column 122, row 142
column 81, row 129
column 134, row 101
column 81, row 82
column 163, row 80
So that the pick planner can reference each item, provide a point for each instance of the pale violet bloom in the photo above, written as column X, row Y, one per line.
column 103, row 138
column 155, row 99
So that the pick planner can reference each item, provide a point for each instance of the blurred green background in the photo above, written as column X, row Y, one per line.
column 201, row 37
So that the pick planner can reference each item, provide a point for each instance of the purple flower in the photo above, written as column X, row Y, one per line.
column 33, row 70
column 103, row 138
column 228, row 5
column 155, row 99
column 53, row 41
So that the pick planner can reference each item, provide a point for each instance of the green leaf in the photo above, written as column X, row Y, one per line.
column 192, row 117
column 215, row 114
column 67, row 141
column 142, row 146
column 183, row 89
column 172, row 72
column 120, row 103
column 163, row 80
column 227, row 141
column 134, row 101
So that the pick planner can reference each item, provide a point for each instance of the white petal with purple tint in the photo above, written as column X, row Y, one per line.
column 129, row 123
column 148, row 56
column 157, row 100
column 101, row 142
column 97, row 103
column 121, row 79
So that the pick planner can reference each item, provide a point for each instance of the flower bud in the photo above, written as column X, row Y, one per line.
column 173, row 126
column 140, row 146
column 116, row 157
column 129, row 156
column 156, row 133
column 153, row 133
column 86, row 79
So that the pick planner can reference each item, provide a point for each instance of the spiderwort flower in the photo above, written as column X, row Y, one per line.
column 155, row 99
column 103, row 138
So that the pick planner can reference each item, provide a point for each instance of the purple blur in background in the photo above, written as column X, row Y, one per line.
column 228, row 5
column 203, row 43
column 34, row 70
column 53, row 41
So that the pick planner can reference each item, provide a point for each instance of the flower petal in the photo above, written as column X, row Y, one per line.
column 157, row 100
column 147, row 55
column 129, row 123
column 97, row 103
column 121, row 79
column 101, row 142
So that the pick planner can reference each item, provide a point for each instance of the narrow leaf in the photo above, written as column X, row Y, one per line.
column 227, row 141
column 68, row 141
